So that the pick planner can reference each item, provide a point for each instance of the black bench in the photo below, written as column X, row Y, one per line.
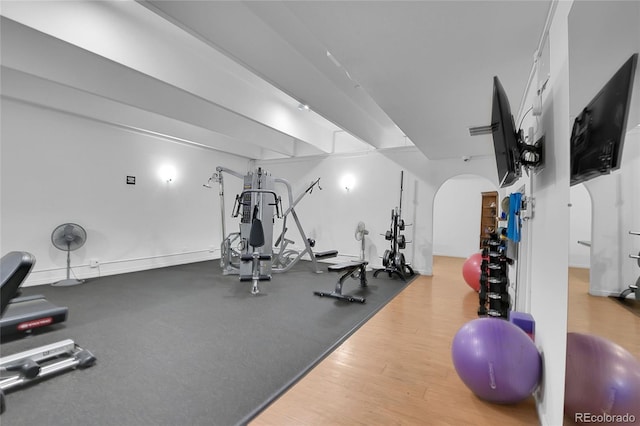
column 355, row 269
column 34, row 364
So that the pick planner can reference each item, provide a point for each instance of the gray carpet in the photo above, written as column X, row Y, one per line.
column 186, row 345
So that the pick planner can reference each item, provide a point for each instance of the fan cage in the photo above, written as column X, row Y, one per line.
column 68, row 236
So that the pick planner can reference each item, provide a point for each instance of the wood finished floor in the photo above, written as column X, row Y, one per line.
column 397, row 370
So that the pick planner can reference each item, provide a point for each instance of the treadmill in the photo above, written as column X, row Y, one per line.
column 23, row 314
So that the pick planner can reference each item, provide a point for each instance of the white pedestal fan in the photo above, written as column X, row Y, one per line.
column 361, row 231
column 68, row 237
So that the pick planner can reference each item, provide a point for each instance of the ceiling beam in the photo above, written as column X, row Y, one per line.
column 126, row 33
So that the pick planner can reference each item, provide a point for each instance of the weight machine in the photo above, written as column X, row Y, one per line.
column 259, row 200
column 633, row 288
column 393, row 260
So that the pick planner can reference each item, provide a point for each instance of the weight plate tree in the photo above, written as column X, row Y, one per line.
column 393, row 260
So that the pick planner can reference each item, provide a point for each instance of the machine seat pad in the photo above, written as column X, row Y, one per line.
column 339, row 267
column 326, row 254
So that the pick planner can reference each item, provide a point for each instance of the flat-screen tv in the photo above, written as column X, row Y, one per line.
column 598, row 131
column 506, row 139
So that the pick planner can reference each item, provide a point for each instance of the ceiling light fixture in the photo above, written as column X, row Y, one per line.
column 304, row 107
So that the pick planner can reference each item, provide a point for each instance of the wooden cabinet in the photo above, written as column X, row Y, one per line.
column 489, row 215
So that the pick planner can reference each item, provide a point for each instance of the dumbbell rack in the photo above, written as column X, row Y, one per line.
column 393, row 260
column 494, row 297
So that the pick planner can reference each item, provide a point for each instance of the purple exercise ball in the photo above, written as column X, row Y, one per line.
column 496, row 360
column 601, row 378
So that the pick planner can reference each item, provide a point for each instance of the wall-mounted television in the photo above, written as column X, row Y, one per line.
column 506, row 139
column 598, row 131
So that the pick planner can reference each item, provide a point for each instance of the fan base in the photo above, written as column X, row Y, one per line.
column 67, row 283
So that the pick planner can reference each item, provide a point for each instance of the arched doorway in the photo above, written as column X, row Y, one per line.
column 456, row 215
column 580, row 227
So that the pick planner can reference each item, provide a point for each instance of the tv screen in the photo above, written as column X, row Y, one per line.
column 598, row 131
column 505, row 139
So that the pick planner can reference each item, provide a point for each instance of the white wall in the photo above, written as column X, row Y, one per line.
column 543, row 258
column 580, row 227
column 59, row 168
column 331, row 215
column 549, row 230
column 602, row 36
column 456, row 215
column 616, row 211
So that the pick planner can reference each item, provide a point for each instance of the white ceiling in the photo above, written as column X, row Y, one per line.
column 230, row 74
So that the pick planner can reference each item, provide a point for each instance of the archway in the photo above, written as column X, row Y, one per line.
column 456, row 215
column 580, row 227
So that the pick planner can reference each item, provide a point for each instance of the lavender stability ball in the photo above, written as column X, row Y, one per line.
column 601, row 378
column 496, row 360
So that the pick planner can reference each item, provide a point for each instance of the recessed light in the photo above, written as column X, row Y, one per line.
column 304, row 107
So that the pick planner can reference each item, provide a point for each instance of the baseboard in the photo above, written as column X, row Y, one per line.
column 605, row 293
column 425, row 272
column 372, row 265
column 114, row 267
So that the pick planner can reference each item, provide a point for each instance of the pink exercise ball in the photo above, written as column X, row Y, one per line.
column 471, row 271
column 601, row 379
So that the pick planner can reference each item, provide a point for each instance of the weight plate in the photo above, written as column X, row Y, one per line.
column 399, row 260
column 386, row 258
column 402, row 242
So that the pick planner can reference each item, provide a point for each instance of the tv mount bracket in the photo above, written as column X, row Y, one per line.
column 530, row 155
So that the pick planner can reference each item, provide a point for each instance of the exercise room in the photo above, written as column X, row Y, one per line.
column 319, row 213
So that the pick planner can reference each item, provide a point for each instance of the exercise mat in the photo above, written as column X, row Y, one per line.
column 188, row 345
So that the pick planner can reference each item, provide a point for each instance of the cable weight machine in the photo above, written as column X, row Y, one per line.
column 393, row 260
column 260, row 200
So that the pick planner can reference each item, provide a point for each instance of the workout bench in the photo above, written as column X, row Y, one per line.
column 31, row 365
column 354, row 269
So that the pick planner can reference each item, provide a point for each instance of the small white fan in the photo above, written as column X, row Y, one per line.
column 68, row 237
column 361, row 231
